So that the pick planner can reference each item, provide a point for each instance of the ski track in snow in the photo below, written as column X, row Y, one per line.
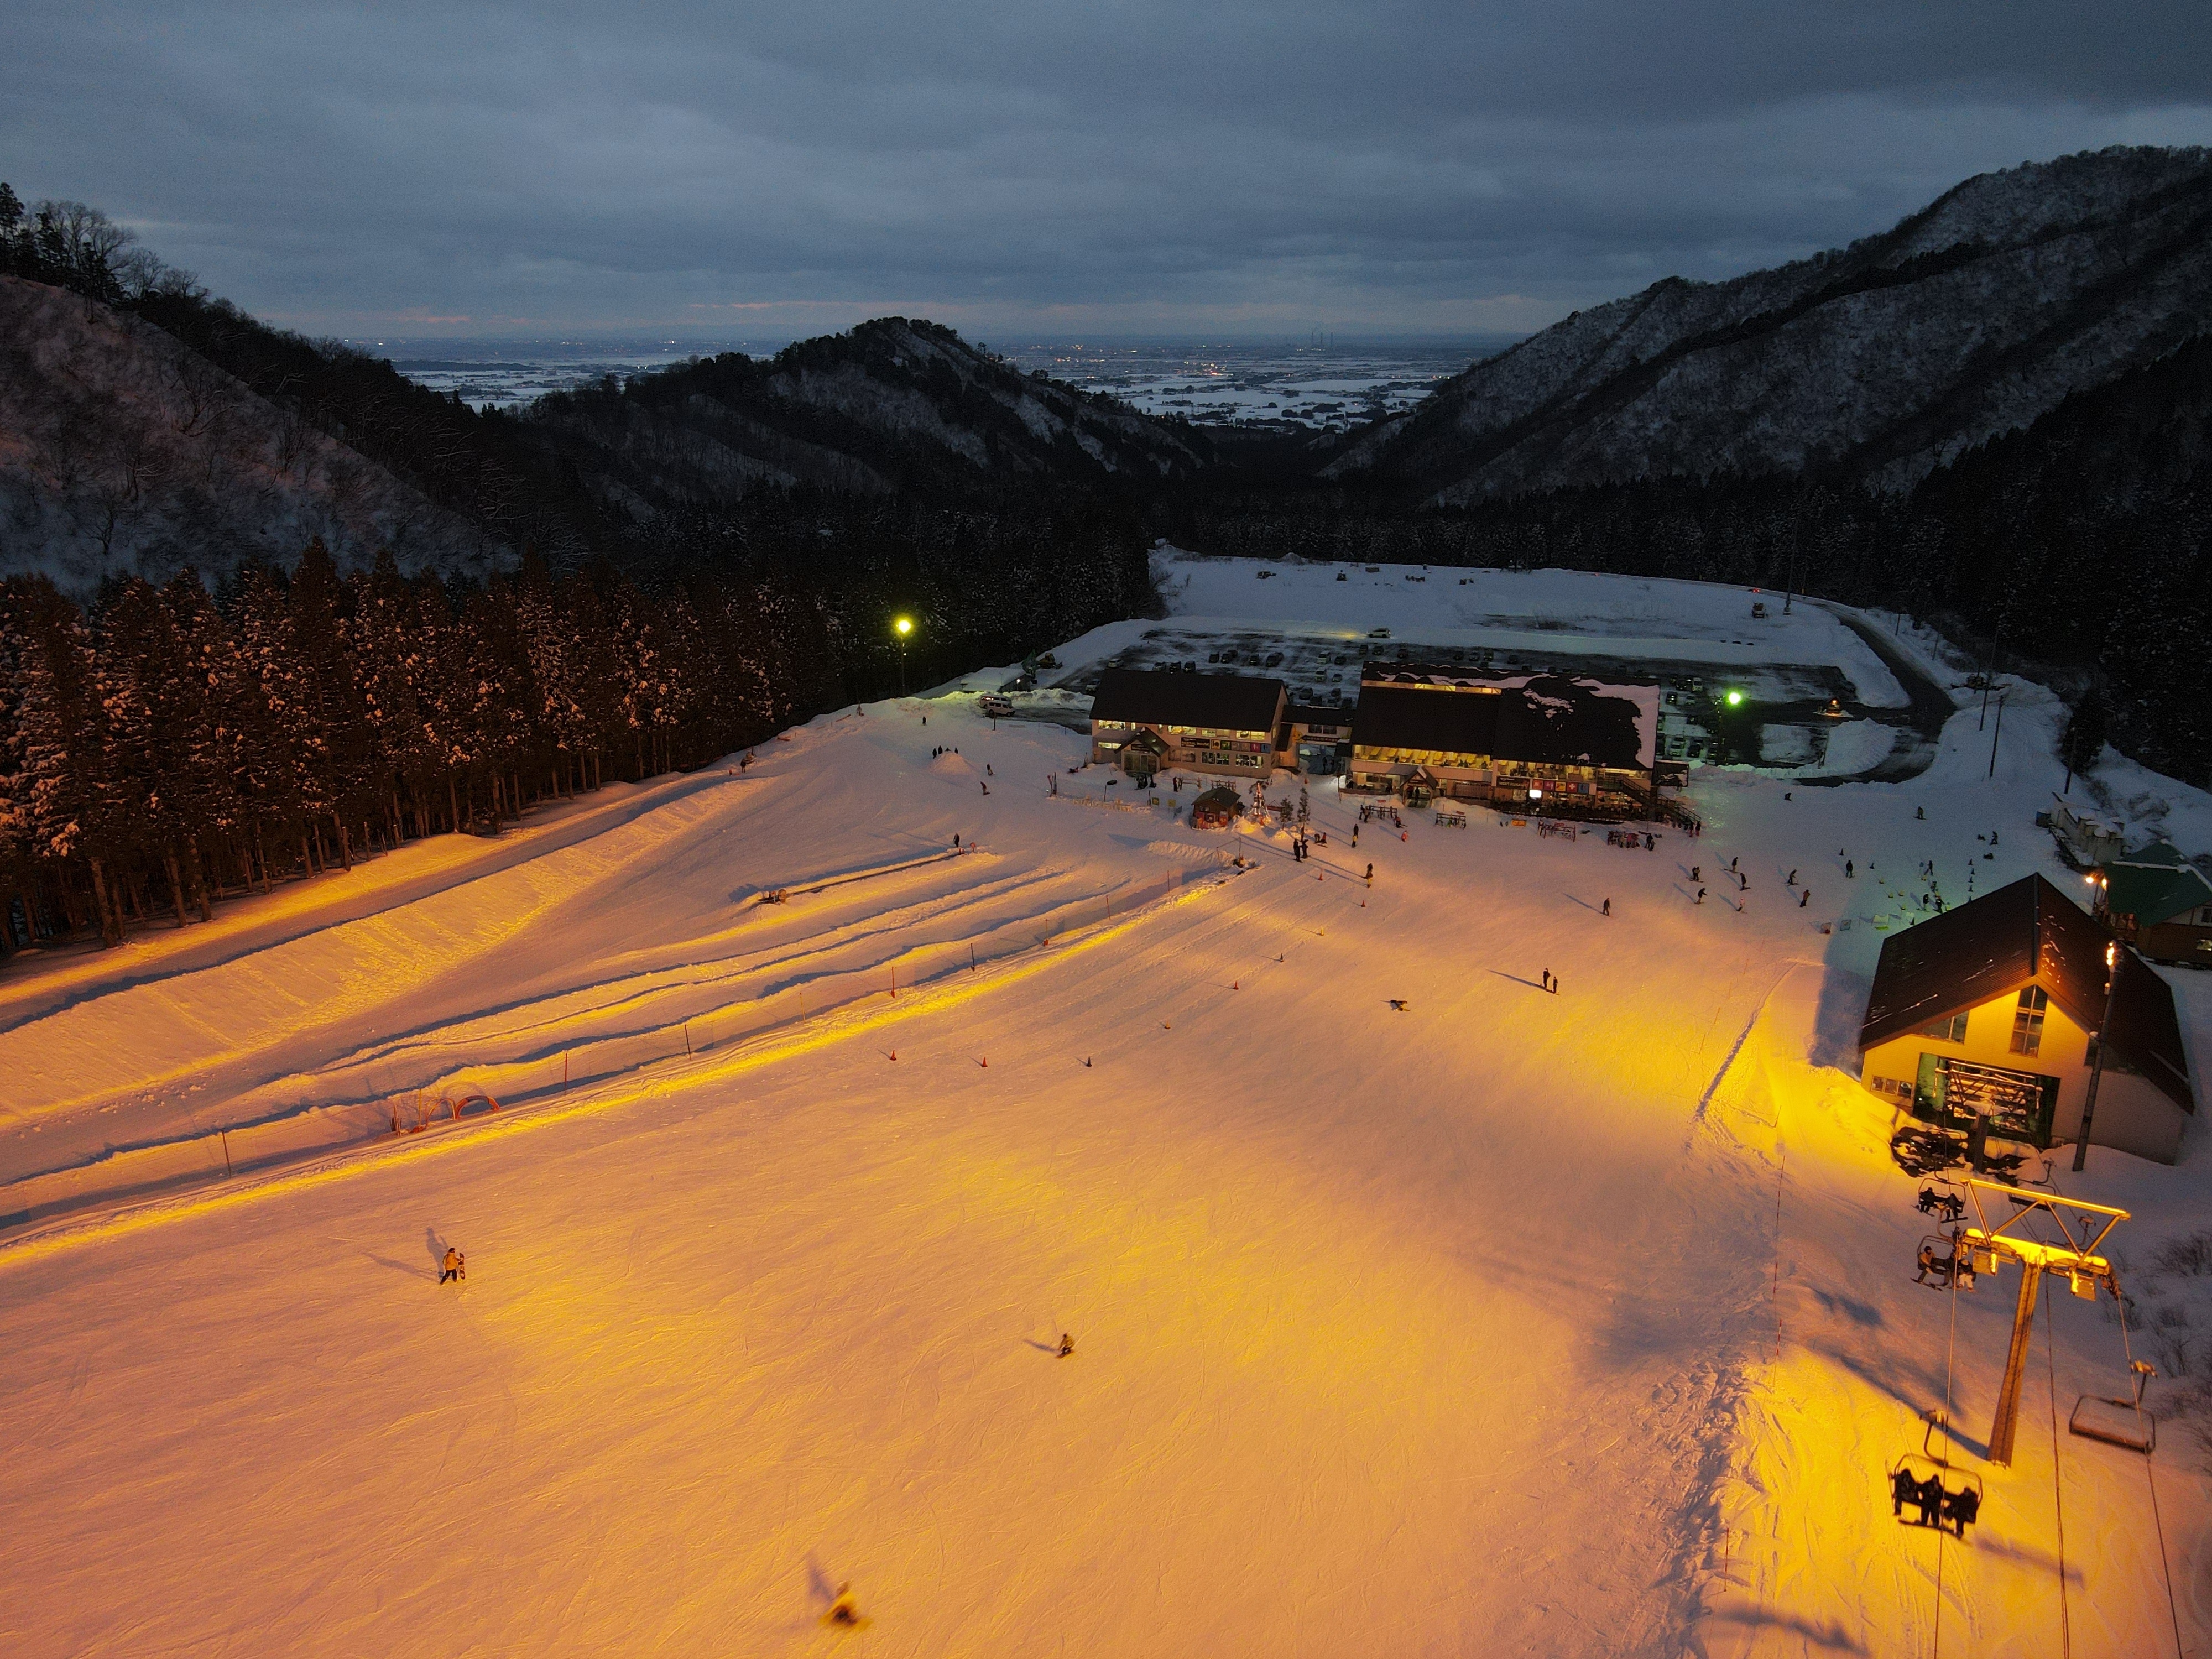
column 1509, row 1322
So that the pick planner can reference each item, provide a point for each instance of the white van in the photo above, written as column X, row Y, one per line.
column 996, row 707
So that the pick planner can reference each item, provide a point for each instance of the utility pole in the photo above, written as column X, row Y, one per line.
column 2097, row 1067
column 1995, row 735
column 1990, row 676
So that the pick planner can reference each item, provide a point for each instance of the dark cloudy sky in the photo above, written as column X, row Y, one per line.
column 1028, row 168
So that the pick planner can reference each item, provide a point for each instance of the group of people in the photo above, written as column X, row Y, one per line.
column 1948, row 1266
column 1937, row 1506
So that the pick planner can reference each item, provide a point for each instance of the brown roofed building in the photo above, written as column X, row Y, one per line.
column 1990, row 1011
column 1230, row 725
column 1542, row 742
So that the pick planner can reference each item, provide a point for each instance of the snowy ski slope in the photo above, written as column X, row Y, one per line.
column 1509, row 1322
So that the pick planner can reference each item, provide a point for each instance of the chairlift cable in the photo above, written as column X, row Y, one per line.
column 1950, row 1358
column 2150, row 1478
column 2057, row 1490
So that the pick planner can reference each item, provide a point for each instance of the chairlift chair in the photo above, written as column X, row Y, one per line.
column 2122, row 1423
column 1947, row 1259
column 1940, row 1494
column 1942, row 1198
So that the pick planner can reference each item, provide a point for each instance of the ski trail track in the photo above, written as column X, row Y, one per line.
column 489, row 968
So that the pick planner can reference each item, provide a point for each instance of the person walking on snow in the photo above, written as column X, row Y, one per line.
column 1848, row 872
column 455, row 1266
column 1701, row 896
column 1608, row 909
column 1792, row 882
column 1804, row 898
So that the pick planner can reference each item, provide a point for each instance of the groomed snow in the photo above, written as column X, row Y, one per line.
column 1507, row 1322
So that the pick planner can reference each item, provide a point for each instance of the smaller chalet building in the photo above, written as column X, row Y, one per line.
column 2158, row 901
column 1990, row 1011
column 1543, row 741
column 1222, row 725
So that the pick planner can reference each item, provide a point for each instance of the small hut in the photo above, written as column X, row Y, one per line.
column 1217, row 809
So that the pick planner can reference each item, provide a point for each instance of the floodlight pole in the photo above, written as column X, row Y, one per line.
column 2097, row 1066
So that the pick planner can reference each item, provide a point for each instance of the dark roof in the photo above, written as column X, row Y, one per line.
column 2155, row 885
column 1225, row 702
column 1548, row 720
column 1317, row 714
column 2029, row 931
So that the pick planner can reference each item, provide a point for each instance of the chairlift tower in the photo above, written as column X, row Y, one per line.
column 2082, row 1229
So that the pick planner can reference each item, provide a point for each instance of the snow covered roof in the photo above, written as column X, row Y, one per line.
column 2154, row 888
column 1221, row 702
column 2028, row 931
column 1542, row 717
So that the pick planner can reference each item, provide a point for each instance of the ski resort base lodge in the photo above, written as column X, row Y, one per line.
column 1541, row 741
column 1990, row 1011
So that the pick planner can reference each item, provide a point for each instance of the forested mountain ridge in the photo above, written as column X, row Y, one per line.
column 892, row 406
column 124, row 451
column 1871, row 363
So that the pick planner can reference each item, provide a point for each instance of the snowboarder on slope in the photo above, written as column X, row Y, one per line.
column 1608, row 909
column 1804, row 898
column 1066, row 1345
column 454, row 1267
column 1701, row 896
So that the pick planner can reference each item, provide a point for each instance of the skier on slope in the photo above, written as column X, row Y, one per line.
column 455, row 1266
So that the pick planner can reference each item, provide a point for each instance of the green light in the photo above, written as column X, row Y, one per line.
column 1733, row 698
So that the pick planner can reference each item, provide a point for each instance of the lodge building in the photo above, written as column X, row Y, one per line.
column 2159, row 902
column 1990, row 1012
column 1214, row 725
column 1540, row 741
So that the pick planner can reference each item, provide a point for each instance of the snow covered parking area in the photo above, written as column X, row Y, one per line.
column 1506, row 1323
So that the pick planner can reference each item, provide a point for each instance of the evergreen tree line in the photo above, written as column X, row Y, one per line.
column 170, row 747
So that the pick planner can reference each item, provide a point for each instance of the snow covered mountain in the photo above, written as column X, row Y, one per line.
column 893, row 405
column 124, row 451
column 1884, row 359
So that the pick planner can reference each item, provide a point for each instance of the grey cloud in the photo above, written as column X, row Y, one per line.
column 1007, row 165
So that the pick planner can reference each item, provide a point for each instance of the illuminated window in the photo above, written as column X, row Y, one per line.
column 2027, row 1021
column 1953, row 1030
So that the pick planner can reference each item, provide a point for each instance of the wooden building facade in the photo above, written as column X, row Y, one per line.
column 1213, row 725
column 1542, row 742
column 1990, row 1012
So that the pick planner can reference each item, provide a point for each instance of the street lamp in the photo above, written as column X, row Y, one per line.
column 902, row 626
column 2097, row 1067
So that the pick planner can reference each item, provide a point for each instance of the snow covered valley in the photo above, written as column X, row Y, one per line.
column 1505, row 1321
